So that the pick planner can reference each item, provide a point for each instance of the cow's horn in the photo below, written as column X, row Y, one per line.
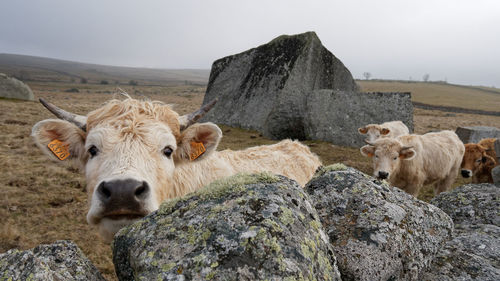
column 78, row 120
column 191, row 118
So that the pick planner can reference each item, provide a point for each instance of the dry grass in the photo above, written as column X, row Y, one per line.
column 440, row 94
column 42, row 202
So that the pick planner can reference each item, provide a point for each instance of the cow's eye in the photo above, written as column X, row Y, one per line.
column 478, row 160
column 376, row 156
column 395, row 158
column 167, row 151
column 93, row 151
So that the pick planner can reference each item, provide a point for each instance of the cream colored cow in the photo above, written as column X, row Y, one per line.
column 136, row 154
column 411, row 161
column 385, row 130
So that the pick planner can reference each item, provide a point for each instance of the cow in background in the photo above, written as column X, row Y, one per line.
column 385, row 130
column 478, row 161
column 411, row 161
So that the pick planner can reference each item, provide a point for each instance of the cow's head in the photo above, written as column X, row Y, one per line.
column 128, row 150
column 373, row 132
column 387, row 155
column 475, row 158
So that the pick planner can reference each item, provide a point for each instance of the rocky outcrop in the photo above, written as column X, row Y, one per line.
column 274, row 89
column 62, row 260
column 477, row 133
column 495, row 174
column 14, row 89
column 474, row 252
column 377, row 232
column 471, row 204
column 246, row 227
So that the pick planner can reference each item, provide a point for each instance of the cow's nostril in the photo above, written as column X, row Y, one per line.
column 142, row 190
column 383, row 175
column 465, row 174
column 105, row 191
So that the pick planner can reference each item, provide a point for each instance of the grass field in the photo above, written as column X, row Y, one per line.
column 482, row 98
column 42, row 202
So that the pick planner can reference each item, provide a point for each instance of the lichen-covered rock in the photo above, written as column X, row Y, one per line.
column 245, row 227
column 471, row 204
column 12, row 88
column 378, row 232
column 475, row 134
column 474, row 254
column 265, row 88
column 62, row 260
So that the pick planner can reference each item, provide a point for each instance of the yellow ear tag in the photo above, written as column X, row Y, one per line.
column 197, row 149
column 59, row 148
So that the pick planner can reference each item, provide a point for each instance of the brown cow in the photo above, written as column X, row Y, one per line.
column 478, row 161
column 411, row 161
column 137, row 154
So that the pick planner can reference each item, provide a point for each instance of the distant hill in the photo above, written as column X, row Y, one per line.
column 439, row 94
column 31, row 68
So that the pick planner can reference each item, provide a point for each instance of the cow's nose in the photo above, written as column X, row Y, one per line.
column 465, row 173
column 383, row 175
column 122, row 197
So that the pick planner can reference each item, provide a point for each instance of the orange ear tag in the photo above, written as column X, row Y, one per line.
column 197, row 149
column 59, row 148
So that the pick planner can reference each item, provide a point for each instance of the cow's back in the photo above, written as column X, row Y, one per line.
column 288, row 158
column 437, row 154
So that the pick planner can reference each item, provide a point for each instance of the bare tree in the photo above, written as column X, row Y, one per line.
column 367, row 75
column 426, row 77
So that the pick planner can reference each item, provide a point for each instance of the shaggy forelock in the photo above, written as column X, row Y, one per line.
column 130, row 113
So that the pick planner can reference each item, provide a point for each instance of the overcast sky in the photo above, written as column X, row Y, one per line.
column 457, row 40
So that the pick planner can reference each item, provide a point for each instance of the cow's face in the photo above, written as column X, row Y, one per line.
column 129, row 154
column 373, row 132
column 474, row 159
column 387, row 155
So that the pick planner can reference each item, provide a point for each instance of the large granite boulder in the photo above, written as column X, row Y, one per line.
column 246, row 227
column 471, row 204
column 12, row 88
column 62, row 260
column 275, row 89
column 378, row 232
column 474, row 252
column 495, row 173
column 265, row 88
column 335, row 116
column 477, row 133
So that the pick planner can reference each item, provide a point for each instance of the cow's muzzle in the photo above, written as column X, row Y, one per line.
column 466, row 173
column 382, row 175
column 123, row 199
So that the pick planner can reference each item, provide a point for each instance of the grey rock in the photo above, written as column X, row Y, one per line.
column 62, row 260
column 474, row 254
column 477, row 133
column 471, row 204
column 245, row 227
column 265, row 88
column 335, row 116
column 497, row 148
column 495, row 173
column 14, row 89
column 378, row 232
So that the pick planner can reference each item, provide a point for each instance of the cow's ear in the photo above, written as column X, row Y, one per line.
column 197, row 142
column 368, row 150
column 363, row 130
column 385, row 131
column 61, row 140
column 407, row 153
